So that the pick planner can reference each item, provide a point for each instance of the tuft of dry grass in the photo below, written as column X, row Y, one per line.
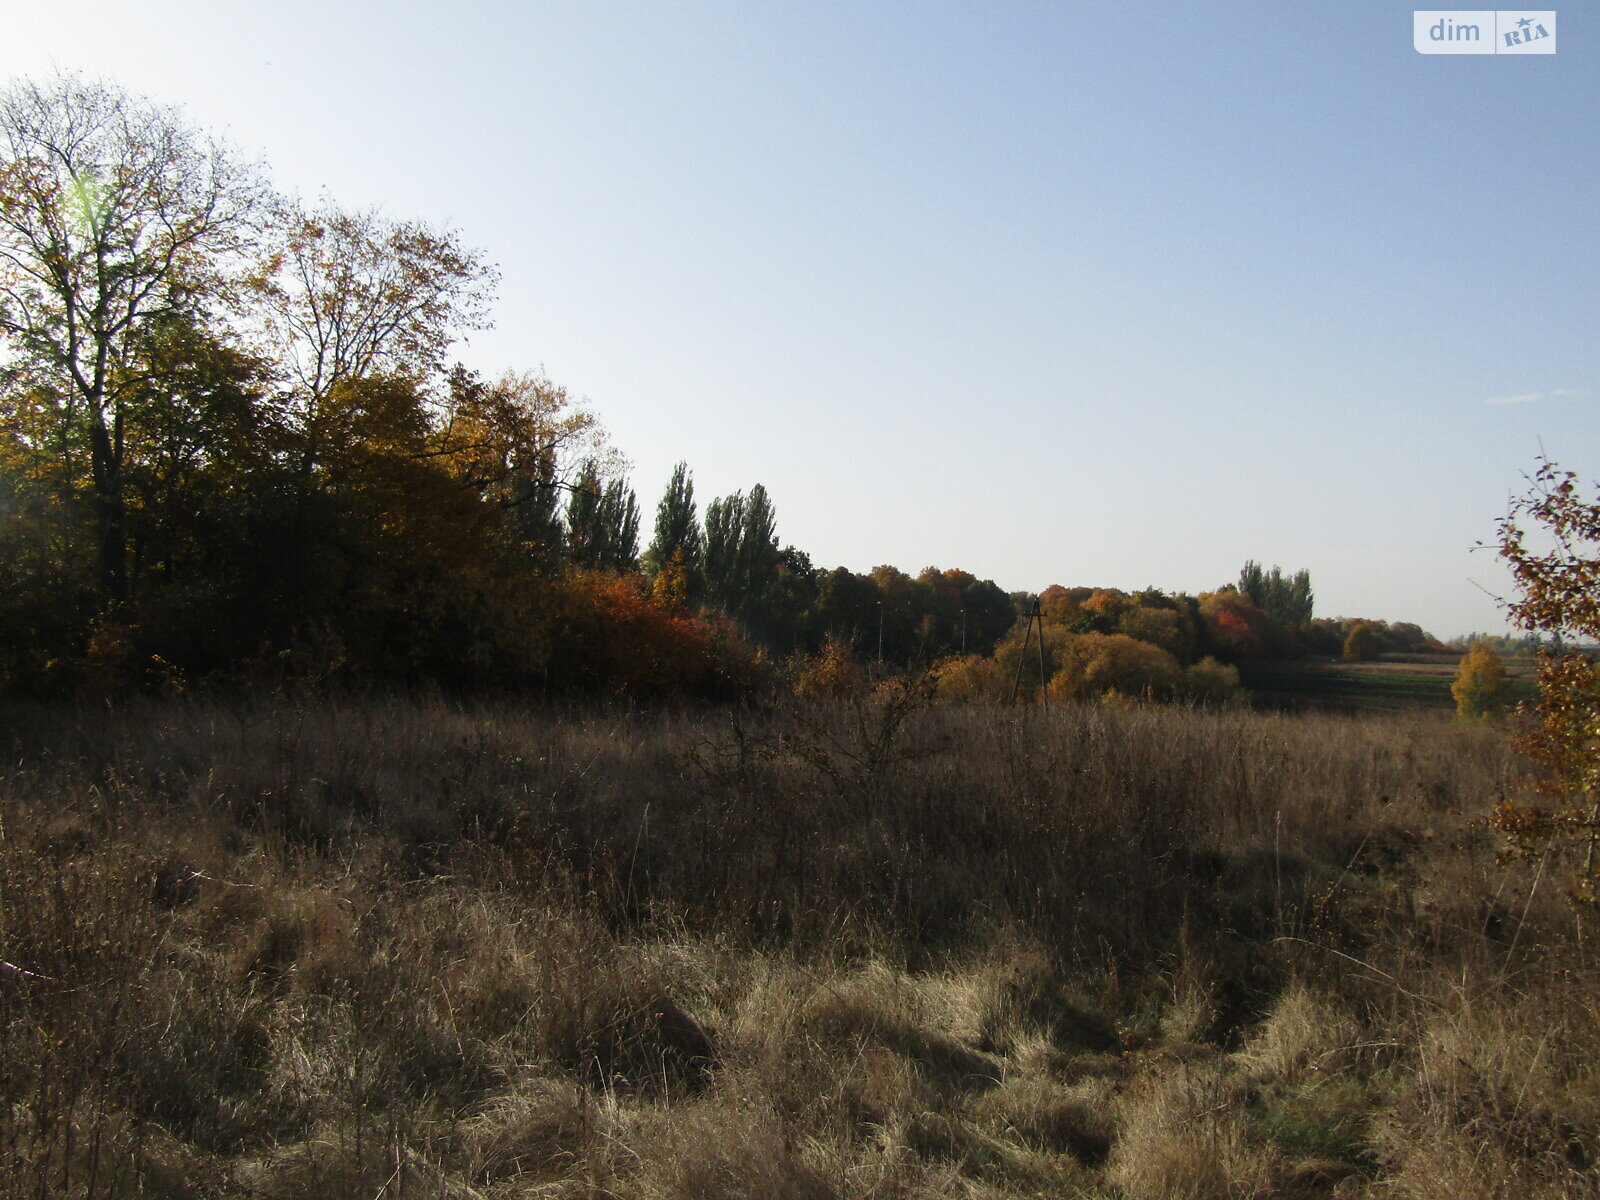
column 1183, row 1132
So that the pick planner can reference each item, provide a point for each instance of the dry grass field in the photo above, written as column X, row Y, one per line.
column 408, row 948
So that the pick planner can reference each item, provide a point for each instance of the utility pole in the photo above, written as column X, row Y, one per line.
column 1044, row 690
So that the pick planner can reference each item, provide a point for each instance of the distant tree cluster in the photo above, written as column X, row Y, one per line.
column 1373, row 639
column 1288, row 598
column 1511, row 645
column 1104, row 642
column 734, row 563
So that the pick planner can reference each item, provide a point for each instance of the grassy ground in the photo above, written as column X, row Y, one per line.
column 410, row 949
column 1392, row 685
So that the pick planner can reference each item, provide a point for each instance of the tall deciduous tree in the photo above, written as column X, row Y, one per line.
column 742, row 557
column 619, row 519
column 759, row 555
column 519, row 441
column 348, row 296
column 115, row 216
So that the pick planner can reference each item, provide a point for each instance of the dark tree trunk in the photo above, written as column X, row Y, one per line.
column 111, row 539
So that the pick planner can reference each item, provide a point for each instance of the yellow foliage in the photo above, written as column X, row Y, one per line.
column 1159, row 626
column 1091, row 664
column 1211, row 682
column 670, row 588
column 1361, row 644
column 1481, row 686
column 833, row 672
column 970, row 677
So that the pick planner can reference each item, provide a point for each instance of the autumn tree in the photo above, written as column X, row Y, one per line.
column 969, row 614
column 670, row 586
column 116, row 219
column 1235, row 630
column 352, row 295
column 1551, row 541
column 1089, row 665
column 1481, row 686
column 846, row 608
column 520, row 442
column 1361, row 644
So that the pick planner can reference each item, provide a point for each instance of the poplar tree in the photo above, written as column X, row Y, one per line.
column 602, row 522
column 724, row 534
column 1287, row 597
column 677, row 529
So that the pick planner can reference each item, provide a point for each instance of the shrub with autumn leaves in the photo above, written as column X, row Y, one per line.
column 1551, row 541
column 612, row 637
column 1481, row 685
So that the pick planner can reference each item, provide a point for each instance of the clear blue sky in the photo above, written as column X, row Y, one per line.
column 1117, row 295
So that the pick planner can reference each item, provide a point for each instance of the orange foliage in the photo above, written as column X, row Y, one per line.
column 1237, row 629
column 832, row 672
column 1089, row 665
column 1059, row 605
column 970, row 677
column 613, row 638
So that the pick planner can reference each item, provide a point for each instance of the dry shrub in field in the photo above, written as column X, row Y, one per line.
column 869, row 948
column 299, row 937
column 875, row 1006
column 1022, row 993
column 598, row 1011
column 833, row 672
column 1183, row 1133
column 348, row 1162
column 848, row 1051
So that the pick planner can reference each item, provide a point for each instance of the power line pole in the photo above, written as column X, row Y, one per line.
column 1044, row 691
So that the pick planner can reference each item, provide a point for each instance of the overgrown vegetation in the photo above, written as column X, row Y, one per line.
column 848, row 947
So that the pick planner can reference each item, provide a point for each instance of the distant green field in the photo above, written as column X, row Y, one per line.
column 1418, row 682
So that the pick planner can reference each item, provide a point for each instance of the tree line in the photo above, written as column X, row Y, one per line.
column 232, row 444
column 233, row 447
